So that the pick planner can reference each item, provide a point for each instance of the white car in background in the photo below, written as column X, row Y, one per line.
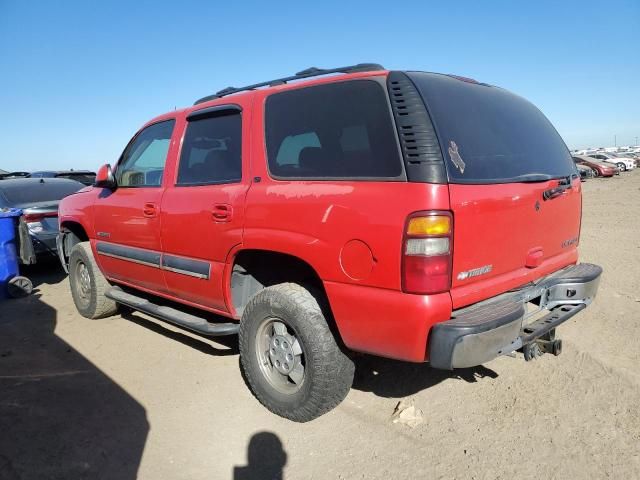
column 627, row 156
column 623, row 163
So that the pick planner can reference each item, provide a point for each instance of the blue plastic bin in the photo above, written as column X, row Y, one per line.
column 8, row 250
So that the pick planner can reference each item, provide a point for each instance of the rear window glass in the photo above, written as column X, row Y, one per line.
column 86, row 178
column 21, row 193
column 341, row 130
column 490, row 135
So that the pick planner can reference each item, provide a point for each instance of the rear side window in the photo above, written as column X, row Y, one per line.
column 489, row 135
column 211, row 150
column 336, row 131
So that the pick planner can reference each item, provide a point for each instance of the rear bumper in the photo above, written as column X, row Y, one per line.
column 501, row 325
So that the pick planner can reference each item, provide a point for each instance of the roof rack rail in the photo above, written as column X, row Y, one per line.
column 306, row 73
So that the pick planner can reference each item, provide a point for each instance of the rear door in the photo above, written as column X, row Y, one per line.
column 514, row 190
column 203, row 208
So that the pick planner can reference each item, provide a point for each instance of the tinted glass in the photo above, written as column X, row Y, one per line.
column 489, row 135
column 211, row 151
column 25, row 193
column 142, row 163
column 340, row 130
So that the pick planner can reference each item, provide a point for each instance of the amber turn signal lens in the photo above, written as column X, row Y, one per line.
column 431, row 225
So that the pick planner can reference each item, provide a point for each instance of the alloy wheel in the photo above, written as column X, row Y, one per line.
column 83, row 283
column 280, row 356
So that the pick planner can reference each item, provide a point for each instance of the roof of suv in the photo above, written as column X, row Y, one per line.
column 306, row 73
column 305, row 78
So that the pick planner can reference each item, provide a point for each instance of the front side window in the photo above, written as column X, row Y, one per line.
column 336, row 131
column 211, row 150
column 142, row 163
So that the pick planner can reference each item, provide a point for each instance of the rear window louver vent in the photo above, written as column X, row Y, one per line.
column 420, row 148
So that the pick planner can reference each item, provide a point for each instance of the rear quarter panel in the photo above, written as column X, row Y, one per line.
column 351, row 233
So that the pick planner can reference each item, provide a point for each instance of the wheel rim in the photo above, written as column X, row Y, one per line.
column 280, row 356
column 19, row 287
column 83, row 283
column 622, row 166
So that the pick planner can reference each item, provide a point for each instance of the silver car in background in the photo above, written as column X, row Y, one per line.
column 38, row 198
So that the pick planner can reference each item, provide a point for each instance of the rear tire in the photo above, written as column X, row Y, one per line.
column 88, row 285
column 289, row 356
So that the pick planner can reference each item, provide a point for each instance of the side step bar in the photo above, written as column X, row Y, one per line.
column 171, row 315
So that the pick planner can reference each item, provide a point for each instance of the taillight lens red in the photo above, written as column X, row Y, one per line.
column 426, row 253
column 38, row 217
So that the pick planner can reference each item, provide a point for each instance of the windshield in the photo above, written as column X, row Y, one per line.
column 489, row 135
column 24, row 193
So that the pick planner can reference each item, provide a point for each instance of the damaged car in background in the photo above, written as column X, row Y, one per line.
column 38, row 199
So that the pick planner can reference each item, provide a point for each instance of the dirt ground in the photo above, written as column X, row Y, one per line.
column 126, row 398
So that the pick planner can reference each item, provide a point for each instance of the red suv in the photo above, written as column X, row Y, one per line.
column 411, row 215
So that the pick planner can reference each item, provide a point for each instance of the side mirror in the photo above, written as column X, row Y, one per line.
column 105, row 178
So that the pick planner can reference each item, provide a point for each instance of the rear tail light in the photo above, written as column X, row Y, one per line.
column 34, row 221
column 38, row 217
column 426, row 253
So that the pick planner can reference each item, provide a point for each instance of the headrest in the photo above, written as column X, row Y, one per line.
column 312, row 158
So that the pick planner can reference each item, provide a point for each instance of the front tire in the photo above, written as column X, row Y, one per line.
column 88, row 285
column 289, row 356
column 622, row 167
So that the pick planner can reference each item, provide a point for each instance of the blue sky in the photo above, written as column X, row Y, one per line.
column 78, row 78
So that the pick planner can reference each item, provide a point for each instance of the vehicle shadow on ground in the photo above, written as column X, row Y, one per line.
column 380, row 376
column 193, row 340
column 47, row 271
column 265, row 458
column 60, row 415
column 396, row 379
